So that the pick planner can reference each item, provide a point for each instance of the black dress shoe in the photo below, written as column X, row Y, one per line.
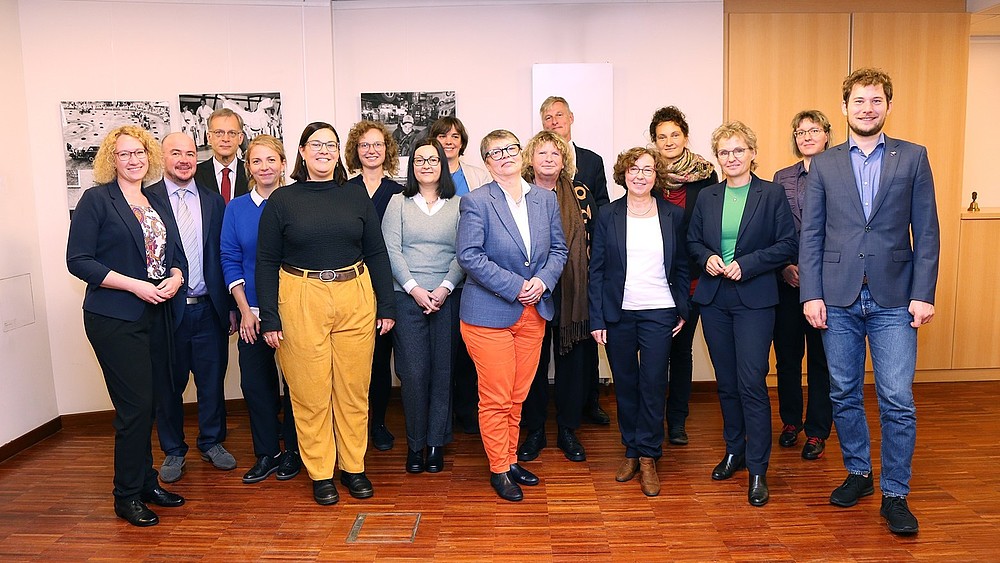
column 596, row 415
column 382, row 439
column 850, row 492
column 570, row 446
column 265, row 466
column 532, row 445
column 290, row 466
column 136, row 513
column 898, row 516
column 522, row 475
column 357, row 484
column 435, row 459
column 814, row 448
column 414, row 461
column 161, row 497
column 789, row 435
column 505, row 488
column 728, row 466
column 678, row 436
column 757, row 493
column 325, row 492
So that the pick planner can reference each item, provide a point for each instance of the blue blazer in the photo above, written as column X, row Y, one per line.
column 608, row 262
column 766, row 241
column 839, row 246
column 490, row 249
column 590, row 171
column 213, row 208
column 104, row 235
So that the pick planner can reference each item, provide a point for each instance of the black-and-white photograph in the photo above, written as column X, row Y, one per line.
column 85, row 124
column 407, row 114
column 261, row 113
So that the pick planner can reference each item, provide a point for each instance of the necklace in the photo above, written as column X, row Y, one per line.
column 640, row 213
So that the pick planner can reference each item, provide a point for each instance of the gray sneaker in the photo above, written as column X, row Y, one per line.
column 219, row 457
column 172, row 468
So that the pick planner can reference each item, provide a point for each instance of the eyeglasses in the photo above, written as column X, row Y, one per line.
column 125, row 156
column 377, row 145
column 509, row 150
column 738, row 153
column 222, row 134
column 317, row 146
column 430, row 161
column 647, row 171
column 803, row 132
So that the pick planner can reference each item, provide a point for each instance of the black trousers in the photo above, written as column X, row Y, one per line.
column 465, row 380
column 681, row 370
column 260, row 384
column 792, row 336
column 381, row 382
column 638, row 347
column 739, row 339
column 126, row 352
column 572, row 384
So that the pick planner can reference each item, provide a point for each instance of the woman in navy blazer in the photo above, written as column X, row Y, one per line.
column 741, row 232
column 511, row 245
column 638, row 303
column 124, row 243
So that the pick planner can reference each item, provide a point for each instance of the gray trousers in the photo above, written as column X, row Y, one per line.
column 423, row 349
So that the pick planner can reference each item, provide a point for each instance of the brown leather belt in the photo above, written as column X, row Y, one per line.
column 343, row 274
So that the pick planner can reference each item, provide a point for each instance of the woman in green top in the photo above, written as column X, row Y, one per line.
column 741, row 232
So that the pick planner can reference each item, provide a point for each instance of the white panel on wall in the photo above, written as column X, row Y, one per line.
column 980, row 124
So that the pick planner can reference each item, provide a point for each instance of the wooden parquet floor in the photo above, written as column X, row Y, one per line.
column 55, row 502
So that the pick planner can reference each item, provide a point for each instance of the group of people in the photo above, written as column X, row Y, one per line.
column 470, row 279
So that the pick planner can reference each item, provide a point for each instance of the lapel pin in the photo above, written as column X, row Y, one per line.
column 892, row 153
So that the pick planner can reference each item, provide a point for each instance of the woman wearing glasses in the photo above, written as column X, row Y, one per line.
column 741, row 233
column 511, row 246
column 811, row 135
column 372, row 150
column 687, row 174
column 323, row 281
column 638, row 303
column 124, row 243
column 419, row 228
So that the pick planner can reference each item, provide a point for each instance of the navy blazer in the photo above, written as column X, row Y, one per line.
column 104, row 235
column 608, row 261
column 204, row 175
column 213, row 207
column 766, row 241
column 590, row 171
column 490, row 249
column 839, row 246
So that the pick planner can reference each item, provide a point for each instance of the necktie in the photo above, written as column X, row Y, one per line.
column 189, row 238
column 227, row 187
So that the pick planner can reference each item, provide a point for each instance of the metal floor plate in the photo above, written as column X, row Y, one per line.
column 384, row 527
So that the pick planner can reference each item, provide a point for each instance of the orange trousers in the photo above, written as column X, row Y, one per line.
column 326, row 357
column 506, row 360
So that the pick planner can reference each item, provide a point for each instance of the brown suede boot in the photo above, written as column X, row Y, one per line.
column 627, row 470
column 648, row 479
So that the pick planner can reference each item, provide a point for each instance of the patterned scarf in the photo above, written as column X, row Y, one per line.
column 690, row 167
column 574, row 324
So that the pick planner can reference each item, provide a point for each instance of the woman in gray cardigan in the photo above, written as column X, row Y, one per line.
column 419, row 227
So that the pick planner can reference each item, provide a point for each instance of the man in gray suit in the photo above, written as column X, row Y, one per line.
column 860, row 276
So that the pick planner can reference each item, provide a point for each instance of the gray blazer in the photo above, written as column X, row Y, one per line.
column 838, row 247
column 492, row 253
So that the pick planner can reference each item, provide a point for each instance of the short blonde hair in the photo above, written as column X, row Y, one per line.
column 105, row 169
column 495, row 135
column 391, row 164
column 735, row 129
column 542, row 137
column 269, row 142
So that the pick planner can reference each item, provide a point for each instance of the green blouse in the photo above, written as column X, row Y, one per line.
column 732, row 214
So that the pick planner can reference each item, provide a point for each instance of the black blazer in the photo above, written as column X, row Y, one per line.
column 212, row 209
column 205, row 176
column 104, row 235
column 766, row 241
column 590, row 171
column 607, row 261
column 693, row 189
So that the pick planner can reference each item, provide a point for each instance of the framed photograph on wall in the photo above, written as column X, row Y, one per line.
column 260, row 111
column 407, row 114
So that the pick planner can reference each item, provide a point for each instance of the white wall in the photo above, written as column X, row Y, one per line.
column 28, row 396
column 980, row 124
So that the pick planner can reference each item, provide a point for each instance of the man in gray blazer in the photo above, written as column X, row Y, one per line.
column 860, row 276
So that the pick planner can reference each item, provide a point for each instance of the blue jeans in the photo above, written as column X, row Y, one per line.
column 893, row 344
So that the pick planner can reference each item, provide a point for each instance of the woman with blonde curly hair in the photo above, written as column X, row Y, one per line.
column 550, row 164
column 372, row 150
column 124, row 243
